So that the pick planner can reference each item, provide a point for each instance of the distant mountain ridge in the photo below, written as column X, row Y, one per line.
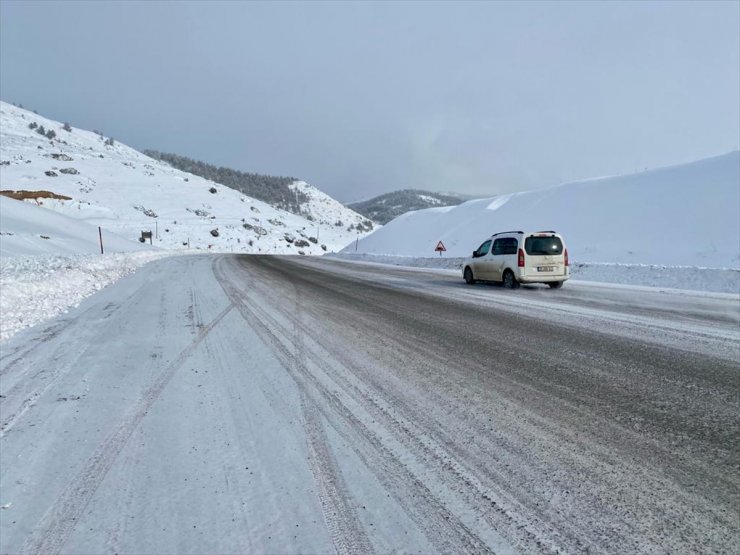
column 384, row 208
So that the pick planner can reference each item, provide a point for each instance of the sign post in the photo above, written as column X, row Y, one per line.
column 440, row 248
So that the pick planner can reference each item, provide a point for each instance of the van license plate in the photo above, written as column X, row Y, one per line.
column 545, row 268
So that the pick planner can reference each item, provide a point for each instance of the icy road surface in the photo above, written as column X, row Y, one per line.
column 243, row 404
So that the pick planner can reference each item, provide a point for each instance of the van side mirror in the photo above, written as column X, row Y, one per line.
column 475, row 254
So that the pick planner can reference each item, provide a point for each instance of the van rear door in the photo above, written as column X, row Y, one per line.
column 544, row 255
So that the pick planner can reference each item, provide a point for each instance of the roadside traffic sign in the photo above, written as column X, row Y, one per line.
column 440, row 247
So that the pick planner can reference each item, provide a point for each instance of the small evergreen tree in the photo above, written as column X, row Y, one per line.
column 33, row 125
column 67, row 127
column 50, row 134
column 40, row 130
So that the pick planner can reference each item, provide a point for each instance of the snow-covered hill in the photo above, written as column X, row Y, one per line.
column 686, row 215
column 114, row 186
column 323, row 209
column 384, row 208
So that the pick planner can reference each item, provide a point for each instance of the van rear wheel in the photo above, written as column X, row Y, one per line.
column 468, row 275
column 555, row 284
column 510, row 281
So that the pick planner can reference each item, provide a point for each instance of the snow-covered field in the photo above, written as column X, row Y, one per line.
column 671, row 227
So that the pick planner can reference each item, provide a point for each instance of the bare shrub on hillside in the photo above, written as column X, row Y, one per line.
column 273, row 190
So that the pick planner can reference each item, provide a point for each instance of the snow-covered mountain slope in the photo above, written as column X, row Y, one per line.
column 28, row 230
column 384, row 208
column 126, row 192
column 322, row 208
column 686, row 215
column 286, row 193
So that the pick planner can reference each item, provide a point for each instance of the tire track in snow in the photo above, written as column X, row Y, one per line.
column 429, row 444
column 27, row 381
column 53, row 330
column 443, row 468
column 125, row 501
column 55, row 527
column 347, row 533
column 442, row 527
column 592, row 462
column 30, row 382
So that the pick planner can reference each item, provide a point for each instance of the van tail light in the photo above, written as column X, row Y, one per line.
column 520, row 259
column 566, row 258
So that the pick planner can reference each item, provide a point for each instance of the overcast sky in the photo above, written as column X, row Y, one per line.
column 364, row 98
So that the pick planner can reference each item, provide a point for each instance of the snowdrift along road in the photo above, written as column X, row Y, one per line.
column 262, row 404
column 684, row 215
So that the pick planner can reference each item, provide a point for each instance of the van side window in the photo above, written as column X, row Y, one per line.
column 510, row 245
column 506, row 245
column 483, row 249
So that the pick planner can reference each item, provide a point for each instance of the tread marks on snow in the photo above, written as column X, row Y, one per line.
column 347, row 533
column 439, row 524
column 54, row 528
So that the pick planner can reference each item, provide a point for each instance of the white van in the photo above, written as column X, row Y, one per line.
column 515, row 257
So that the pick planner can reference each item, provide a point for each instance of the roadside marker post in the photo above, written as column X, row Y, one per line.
column 440, row 248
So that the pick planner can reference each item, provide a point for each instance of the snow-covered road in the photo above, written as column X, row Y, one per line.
column 251, row 404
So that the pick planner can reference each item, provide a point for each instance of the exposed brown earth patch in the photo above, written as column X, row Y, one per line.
column 22, row 195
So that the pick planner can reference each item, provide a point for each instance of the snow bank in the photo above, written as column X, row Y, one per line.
column 27, row 229
column 718, row 280
column 687, row 215
column 36, row 288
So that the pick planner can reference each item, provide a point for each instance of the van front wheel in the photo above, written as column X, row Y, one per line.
column 555, row 284
column 468, row 275
column 510, row 281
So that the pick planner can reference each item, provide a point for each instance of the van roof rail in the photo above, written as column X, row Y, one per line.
column 546, row 231
column 502, row 232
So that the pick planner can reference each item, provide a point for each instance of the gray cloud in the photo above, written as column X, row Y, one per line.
column 362, row 98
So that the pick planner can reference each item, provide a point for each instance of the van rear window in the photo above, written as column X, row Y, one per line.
column 543, row 245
